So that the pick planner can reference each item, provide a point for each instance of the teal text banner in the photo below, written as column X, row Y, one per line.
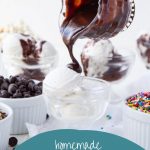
column 77, row 140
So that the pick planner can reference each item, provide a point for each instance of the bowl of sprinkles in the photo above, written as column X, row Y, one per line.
column 136, row 119
column 6, row 115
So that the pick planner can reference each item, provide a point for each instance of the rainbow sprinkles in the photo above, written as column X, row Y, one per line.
column 140, row 102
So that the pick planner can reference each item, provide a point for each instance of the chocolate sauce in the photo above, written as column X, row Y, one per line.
column 115, row 71
column 98, row 19
column 31, row 57
column 36, row 74
column 143, row 44
column 30, row 48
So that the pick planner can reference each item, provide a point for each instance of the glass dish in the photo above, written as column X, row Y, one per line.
column 36, row 71
column 112, row 67
column 87, row 102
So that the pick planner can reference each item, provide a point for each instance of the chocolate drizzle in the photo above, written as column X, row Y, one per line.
column 98, row 19
column 31, row 53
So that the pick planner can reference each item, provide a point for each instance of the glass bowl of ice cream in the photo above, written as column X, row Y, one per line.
column 26, row 56
column 100, row 59
column 73, row 97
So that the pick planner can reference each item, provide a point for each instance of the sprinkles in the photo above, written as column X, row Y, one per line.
column 140, row 102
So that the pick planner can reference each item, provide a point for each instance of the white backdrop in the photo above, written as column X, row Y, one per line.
column 42, row 17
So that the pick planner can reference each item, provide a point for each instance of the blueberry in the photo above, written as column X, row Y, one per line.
column 12, row 79
column 12, row 88
column 1, row 77
column 31, row 86
column 40, row 84
column 4, row 85
column 7, row 80
column 22, row 88
column 27, row 95
column 13, row 142
column 1, row 80
column 17, row 95
column 36, row 88
column 5, row 94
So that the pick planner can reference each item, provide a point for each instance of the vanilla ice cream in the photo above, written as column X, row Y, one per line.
column 101, row 60
column 73, row 97
column 24, row 55
column 97, row 54
column 62, row 79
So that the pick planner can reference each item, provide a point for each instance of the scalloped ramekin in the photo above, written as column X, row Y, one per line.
column 26, row 110
column 136, row 126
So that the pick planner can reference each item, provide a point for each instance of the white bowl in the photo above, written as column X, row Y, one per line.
column 137, row 126
column 5, row 126
column 32, row 110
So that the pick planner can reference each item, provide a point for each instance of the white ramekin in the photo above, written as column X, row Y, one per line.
column 136, row 126
column 5, row 126
column 26, row 110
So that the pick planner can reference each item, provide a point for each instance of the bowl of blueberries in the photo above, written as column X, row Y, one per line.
column 25, row 98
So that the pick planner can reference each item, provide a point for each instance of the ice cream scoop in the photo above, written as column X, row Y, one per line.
column 24, row 55
column 102, row 60
column 25, row 46
column 95, row 55
column 62, row 80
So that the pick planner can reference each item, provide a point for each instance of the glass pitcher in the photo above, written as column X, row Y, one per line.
column 95, row 18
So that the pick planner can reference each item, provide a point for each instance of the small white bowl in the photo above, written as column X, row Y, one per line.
column 5, row 126
column 26, row 110
column 136, row 126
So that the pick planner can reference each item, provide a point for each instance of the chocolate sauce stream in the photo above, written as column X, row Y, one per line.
column 97, row 19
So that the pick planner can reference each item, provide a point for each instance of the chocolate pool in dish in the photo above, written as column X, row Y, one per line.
column 98, row 19
column 26, row 56
column 100, row 59
column 143, row 44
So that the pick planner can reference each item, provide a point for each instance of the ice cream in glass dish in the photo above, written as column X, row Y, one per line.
column 73, row 97
column 26, row 56
column 101, row 59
